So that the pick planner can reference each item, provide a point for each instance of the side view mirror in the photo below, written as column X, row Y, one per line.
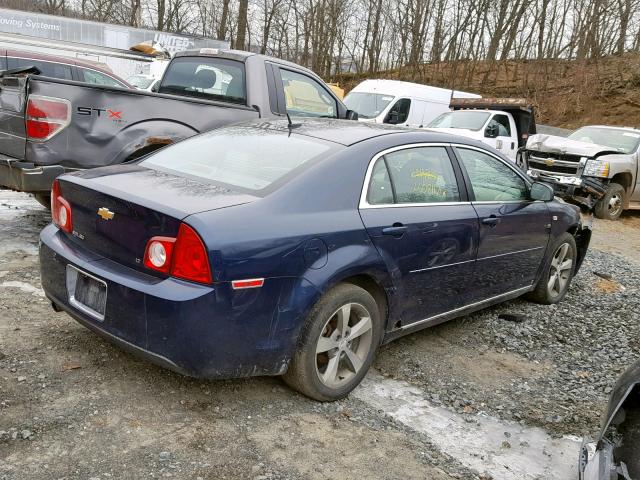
column 491, row 131
column 351, row 115
column 541, row 191
column 393, row 117
column 155, row 87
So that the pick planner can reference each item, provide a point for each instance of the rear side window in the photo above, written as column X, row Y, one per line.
column 247, row 158
column 206, row 77
column 97, row 78
column 413, row 175
column 48, row 69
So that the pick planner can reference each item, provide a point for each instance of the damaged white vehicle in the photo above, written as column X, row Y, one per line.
column 615, row 452
column 596, row 166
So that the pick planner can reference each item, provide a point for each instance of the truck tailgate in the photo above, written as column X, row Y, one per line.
column 13, row 93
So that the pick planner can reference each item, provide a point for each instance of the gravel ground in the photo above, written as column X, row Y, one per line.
column 74, row 407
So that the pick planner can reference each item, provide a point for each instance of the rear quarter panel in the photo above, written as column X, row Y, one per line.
column 109, row 124
column 12, row 129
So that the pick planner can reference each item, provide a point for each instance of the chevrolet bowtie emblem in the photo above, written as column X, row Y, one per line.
column 105, row 213
column 549, row 162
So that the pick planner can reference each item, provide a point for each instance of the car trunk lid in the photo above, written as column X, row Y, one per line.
column 116, row 210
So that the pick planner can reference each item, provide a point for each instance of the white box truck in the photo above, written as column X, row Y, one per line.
column 400, row 103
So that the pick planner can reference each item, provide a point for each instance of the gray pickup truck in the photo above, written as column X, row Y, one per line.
column 596, row 166
column 52, row 126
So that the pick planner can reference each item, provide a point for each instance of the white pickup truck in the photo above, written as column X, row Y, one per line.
column 502, row 123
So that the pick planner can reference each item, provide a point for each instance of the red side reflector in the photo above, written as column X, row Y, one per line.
column 251, row 283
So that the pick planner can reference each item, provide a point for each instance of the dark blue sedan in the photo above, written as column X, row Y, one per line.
column 296, row 250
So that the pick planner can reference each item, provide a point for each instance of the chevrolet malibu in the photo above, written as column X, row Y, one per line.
column 297, row 249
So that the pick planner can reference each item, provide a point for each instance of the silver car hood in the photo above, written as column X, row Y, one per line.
column 553, row 144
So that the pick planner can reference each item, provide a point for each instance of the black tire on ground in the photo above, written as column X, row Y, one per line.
column 43, row 199
column 307, row 367
column 562, row 250
column 611, row 206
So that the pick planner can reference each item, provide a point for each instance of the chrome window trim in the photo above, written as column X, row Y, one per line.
column 364, row 204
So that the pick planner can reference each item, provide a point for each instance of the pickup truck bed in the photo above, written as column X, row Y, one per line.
column 51, row 126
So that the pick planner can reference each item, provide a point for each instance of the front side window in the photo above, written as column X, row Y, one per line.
column 491, row 179
column 413, row 175
column 248, row 158
column 399, row 112
column 205, row 77
column 97, row 78
column 368, row 105
column 306, row 97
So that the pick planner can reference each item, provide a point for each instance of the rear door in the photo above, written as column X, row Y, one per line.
column 514, row 230
column 415, row 209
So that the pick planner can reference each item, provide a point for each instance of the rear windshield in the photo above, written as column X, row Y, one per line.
column 245, row 158
column 624, row 141
column 460, row 119
column 205, row 77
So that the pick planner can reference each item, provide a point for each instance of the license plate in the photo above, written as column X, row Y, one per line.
column 86, row 292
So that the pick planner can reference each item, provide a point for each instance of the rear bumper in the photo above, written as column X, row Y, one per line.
column 27, row 177
column 197, row 330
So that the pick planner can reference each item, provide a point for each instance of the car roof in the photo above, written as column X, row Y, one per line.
column 343, row 132
column 399, row 88
column 46, row 57
column 350, row 132
column 240, row 55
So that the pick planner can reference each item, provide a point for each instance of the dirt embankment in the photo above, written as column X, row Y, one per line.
column 567, row 93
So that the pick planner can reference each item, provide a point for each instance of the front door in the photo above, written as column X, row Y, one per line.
column 514, row 230
column 424, row 228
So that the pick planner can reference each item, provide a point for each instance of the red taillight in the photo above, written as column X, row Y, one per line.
column 157, row 255
column 182, row 257
column 60, row 209
column 46, row 116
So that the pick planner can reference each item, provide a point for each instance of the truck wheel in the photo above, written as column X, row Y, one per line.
column 337, row 344
column 559, row 267
column 611, row 206
column 43, row 199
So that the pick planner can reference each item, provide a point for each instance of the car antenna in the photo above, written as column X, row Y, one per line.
column 291, row 125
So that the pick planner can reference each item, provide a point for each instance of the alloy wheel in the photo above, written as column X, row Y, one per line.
column 615, row 205
column 343, row 345
column 560, row 270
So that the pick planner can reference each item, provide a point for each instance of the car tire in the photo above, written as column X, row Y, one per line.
column 43, row 199
column 333, row 356
column 557, row 274
column 611, row 206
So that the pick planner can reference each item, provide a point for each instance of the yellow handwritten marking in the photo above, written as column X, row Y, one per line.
column 424, row 174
